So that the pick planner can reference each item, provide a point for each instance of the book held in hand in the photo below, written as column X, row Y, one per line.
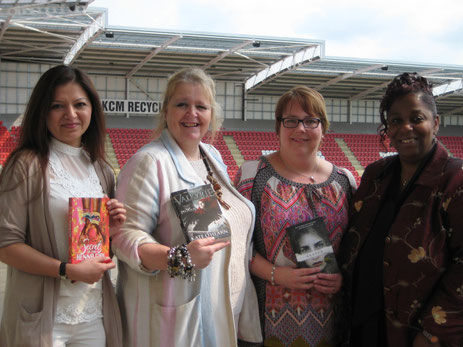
column 312, row 246
column 200, row 213
column 88, row 228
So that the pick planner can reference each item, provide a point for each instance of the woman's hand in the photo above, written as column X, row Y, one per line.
column 202, row 251
column 90, row 270
column 328, row 283
column 295, row 278
column 117, row 213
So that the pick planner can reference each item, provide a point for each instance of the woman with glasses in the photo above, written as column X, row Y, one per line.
column 288, row 187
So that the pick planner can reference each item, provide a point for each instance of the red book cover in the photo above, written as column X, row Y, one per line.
column 88, row 228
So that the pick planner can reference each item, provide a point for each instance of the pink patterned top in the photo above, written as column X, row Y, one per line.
column 290, row 317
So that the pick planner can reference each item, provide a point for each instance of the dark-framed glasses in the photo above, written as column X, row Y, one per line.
column 308, row 122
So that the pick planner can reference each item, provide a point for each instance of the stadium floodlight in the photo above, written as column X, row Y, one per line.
column 302, row 57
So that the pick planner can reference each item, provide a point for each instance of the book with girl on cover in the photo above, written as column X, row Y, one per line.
column 88, row 228
column 312, row 246
column 200, row 213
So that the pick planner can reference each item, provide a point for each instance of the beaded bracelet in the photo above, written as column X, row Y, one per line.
column 272, row 275
column 431, row 338
column 179, row 263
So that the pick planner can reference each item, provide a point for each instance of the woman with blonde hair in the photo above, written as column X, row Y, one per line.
column 175, row 293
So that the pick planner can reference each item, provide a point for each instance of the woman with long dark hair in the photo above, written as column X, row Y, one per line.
column 49, row 302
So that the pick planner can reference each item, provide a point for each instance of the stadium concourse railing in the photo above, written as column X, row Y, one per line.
column 238, row 146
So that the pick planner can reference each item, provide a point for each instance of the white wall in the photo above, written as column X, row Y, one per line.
column 18, row 79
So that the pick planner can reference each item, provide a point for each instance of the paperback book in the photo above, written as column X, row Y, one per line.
column 200, row 214
column 312, row 246
column 88, row 228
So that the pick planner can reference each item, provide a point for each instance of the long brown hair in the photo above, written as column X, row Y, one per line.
column 34, row 136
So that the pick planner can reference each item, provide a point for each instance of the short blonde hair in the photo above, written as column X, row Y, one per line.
column 309, row 99
column 195, row 76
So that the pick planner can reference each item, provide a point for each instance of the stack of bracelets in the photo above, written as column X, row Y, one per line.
column 179, row 263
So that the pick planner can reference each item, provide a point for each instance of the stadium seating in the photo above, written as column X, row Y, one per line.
column 234, row 146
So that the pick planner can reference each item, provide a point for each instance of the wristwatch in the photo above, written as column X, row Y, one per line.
column 62, row 270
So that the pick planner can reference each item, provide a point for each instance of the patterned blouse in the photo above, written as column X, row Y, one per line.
column 293, row 317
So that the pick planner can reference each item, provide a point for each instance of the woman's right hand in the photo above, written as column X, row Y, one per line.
column 295, row 278
column 202, row 251
column 90, row 270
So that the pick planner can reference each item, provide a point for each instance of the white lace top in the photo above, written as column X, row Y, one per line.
column 72, row 175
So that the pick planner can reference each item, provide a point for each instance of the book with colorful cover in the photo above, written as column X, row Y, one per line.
column 200, row 214
column 312, row 246
column 88, row 228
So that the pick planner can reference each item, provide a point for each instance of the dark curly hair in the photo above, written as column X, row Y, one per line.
column 401, row 85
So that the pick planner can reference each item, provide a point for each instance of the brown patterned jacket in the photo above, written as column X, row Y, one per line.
column 423, row 253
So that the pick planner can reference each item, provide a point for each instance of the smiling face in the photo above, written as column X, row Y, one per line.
column 299, row 140
column 70, row 114
column 411, row 127
column 188, row 115
column 309, row 242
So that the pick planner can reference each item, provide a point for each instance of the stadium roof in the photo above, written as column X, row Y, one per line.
column 71, row 32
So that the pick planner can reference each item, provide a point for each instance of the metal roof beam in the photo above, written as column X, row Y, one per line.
column 4, row 26
column 455, row 110
column 349, row 74
column 63, row 37
column 89, row 34
column 382, row 85
column 302, row 57
column 447, row 89
column 228, row 52
column 152, row 54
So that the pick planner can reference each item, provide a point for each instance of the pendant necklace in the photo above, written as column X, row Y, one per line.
column 311, row 177
column 215, row 184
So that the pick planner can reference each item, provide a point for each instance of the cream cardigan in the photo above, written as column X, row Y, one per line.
column 158, row 310
column 30, row 300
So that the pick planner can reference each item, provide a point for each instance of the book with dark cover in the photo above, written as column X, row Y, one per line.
column 312, row 246
column 200, row 213
column 88, row 228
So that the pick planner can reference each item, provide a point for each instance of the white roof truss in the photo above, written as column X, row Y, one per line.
column 228, row 52
column 383, row 85
column 449, row 88
column 458, row 110
column 4, row 26
column 349, row 74
column 89, row 34
column 154, row 52
column 299, row 58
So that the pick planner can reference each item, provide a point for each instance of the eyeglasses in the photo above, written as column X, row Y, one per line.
column 308, row 122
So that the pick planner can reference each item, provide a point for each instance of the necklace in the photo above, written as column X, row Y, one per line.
column 311, row 177
column 215, row 184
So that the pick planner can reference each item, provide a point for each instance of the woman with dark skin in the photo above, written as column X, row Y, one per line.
column 402, row 255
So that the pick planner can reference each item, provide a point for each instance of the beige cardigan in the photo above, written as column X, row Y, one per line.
column 30, row 300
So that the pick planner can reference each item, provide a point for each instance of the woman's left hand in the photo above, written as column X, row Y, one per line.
column 328, row 283
column 117, row 213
